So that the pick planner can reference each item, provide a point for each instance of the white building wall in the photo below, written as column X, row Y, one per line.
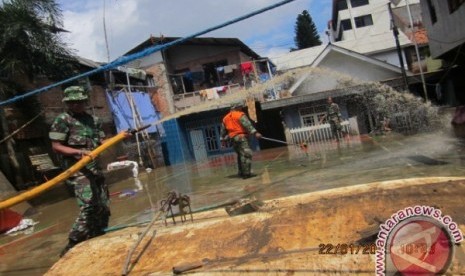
column 379, row 11
column 390, row 57
column 448, row 31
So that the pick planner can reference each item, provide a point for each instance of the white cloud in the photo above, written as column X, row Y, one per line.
column 130, row 22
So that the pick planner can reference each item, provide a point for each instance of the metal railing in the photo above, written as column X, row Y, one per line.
column 315, row 133
column 186, row 100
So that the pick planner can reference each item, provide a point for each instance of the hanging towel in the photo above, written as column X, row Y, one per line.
column 228, row 69
column 246, row 67
column 212, row 94
column 203, row 94
column 264, row 77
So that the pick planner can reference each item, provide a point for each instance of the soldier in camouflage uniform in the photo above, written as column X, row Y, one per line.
column 334, row 117
column 74, row 134
column 237, row 127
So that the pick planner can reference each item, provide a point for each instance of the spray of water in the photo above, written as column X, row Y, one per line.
column 377, row 100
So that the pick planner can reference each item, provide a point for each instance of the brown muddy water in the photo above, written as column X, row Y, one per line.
column 280, row 172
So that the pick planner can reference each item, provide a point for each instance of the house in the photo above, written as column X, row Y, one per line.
column 366, row 27
column 332, row 71
column 36, row 160
column 199, row 71
column 32, row 145
column 445, row 23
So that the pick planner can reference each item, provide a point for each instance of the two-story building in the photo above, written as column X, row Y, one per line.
column 199, row 71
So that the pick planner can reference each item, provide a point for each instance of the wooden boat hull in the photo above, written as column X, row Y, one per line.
column 287, row 235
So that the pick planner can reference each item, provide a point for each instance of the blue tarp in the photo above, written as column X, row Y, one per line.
column 122, row 113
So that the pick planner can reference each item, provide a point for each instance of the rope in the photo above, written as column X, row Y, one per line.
column 22, row 127
column 125, row 59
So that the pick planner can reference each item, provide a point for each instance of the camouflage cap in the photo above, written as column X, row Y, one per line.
column 74, row 93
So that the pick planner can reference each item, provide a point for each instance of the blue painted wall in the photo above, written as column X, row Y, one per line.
column 176, row 149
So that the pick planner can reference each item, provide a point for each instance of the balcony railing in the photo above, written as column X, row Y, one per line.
column 186, row 100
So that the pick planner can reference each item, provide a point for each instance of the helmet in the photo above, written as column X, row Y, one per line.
column 237, row 105
column 74, row 93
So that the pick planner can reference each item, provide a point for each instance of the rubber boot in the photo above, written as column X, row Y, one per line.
column 70, row 245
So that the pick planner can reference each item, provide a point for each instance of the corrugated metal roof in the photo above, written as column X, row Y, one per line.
column 307, row 57
column 88, row 62
column 298, row 58
column 196, row 41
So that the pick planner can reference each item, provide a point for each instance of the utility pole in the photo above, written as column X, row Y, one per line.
column 105, row 32
column 417, row 51
column 395, row 31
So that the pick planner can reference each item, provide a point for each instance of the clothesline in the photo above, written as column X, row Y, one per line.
column 233, row 66
column 206, row 92
column 156, row 48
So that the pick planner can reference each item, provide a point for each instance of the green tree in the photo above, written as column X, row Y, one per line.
column 306, row 34
column 30, row 49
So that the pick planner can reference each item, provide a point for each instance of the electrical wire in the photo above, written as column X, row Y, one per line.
column 150, row 50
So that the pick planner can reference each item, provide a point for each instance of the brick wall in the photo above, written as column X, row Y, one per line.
column 162, row 95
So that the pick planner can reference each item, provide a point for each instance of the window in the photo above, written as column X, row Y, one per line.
column 341, row 5
column 454, row 5
column 432, row 11
column 346, row 24
column 311, row 116
column 358, row 3
column 212, row 138
column 364, row 20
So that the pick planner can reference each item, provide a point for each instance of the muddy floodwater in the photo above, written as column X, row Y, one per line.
column 280, row 172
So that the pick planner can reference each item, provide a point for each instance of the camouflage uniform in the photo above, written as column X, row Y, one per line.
column 84, row 131
column 334, row 118
column 241, row 146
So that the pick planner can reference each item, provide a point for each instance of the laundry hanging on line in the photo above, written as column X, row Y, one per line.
column 247, row 67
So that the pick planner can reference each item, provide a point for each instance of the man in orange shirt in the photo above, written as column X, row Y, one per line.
column 237, row 127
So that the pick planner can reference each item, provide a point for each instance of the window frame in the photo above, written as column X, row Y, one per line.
column 350, row 24
column 314, row 113
column 432, row 11
column 359, row 3
column 363, row 17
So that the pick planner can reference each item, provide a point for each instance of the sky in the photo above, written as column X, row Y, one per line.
column 130, row 22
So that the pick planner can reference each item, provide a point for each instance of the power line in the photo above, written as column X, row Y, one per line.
column 125, row 59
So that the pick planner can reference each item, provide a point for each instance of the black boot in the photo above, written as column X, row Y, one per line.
column 70, row 245
column 248, row 175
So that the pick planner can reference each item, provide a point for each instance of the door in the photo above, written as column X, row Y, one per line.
column 198, row 144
